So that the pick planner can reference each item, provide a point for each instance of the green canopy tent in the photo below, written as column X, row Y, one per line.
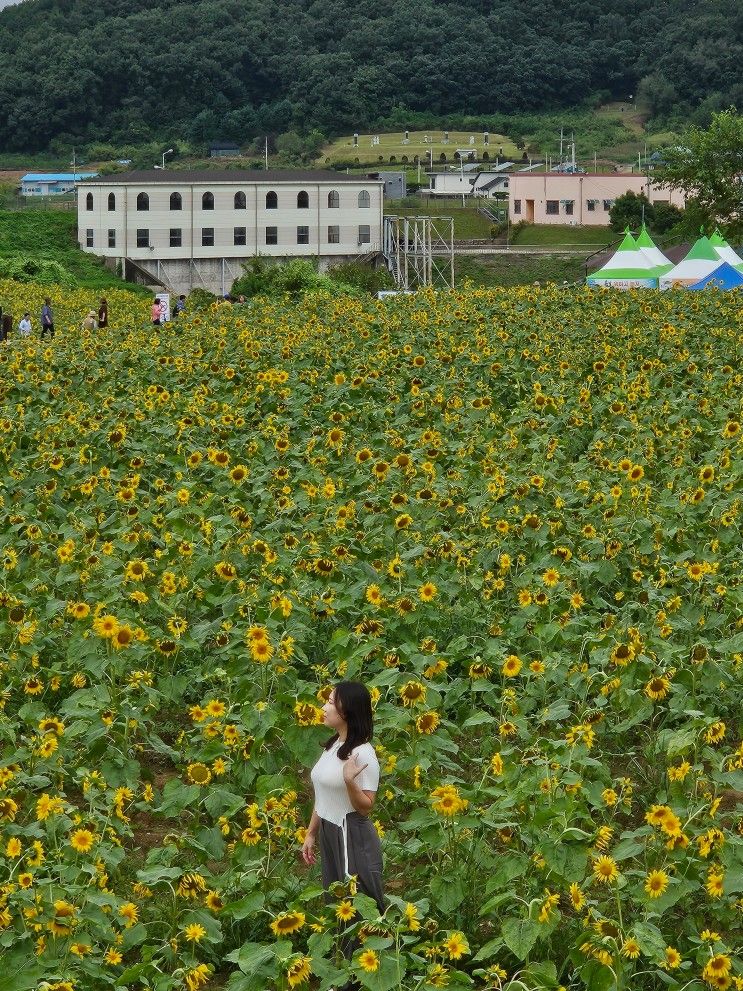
column 628, row 268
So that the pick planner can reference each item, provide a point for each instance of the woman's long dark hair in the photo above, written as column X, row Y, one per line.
column 353, row 701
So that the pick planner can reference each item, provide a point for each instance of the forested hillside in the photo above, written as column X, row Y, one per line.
column 131, row 70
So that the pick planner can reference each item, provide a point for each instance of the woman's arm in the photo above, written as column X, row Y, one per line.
column 361, row 800
column 308, row 847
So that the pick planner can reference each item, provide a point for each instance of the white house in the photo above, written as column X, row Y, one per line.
column 188, row 229
column 486, row 183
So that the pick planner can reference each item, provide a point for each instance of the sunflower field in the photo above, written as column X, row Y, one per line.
column 514, row 514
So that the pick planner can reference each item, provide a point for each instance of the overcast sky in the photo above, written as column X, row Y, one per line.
column 8, row 3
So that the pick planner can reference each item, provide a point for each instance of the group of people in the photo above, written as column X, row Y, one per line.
column 25, row 328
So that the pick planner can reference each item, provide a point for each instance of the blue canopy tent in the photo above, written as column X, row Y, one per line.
column 723, row 277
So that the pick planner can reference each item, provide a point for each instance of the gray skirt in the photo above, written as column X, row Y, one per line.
column 352, row 849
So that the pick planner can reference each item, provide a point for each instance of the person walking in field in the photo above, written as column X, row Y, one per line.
column 156, row 312
column 103, row 313
column 89, row 323
column 47, row 318
column 24, row 325
column 345, row 780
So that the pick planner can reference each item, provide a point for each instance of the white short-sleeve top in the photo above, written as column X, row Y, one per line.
column 332, row 801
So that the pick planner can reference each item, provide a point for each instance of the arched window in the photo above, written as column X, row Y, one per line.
column 176, row 201
column 303, row 200
column 272, row 201
column 364, row 199
column 240, row 201
column 207, row 201
column 334, row 199
column 89, row 201
column 143, row 201
column 112, row 201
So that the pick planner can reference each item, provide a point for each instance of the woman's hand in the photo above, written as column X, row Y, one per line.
column 352, row 769
column 308, row 849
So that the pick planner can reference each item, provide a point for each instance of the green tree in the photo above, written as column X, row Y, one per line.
column 629, row 210
column 708, row 166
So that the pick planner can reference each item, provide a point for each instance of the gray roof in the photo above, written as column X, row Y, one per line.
column 173, row 177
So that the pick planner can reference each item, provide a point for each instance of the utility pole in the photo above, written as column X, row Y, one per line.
column 266, row 149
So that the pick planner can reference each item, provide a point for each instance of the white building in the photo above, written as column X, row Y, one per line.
column 486, row 183
column 188, row 229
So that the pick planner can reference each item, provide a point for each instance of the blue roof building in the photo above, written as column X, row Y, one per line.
column 52, row 183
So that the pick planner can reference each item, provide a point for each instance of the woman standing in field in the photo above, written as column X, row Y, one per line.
column 345, row 779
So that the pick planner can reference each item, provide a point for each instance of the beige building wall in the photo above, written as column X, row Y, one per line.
column 125, row 220
column 577, row 200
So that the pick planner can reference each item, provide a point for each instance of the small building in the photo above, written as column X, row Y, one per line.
column 486, row 184
column 224, row 149
column 52, row 183
column 578, row 200
column 198, row 228
column 395, row 184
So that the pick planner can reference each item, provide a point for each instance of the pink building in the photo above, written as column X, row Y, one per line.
column 577, row 200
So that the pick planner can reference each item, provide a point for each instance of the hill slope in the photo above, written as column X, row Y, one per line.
column 133, row 69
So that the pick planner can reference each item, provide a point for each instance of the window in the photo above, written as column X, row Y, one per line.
column 364, row 199
column 569, row 207
column 176, row 201
column 111, row 201
column 207, row 237
column 303, row 235
column 89, row 201
column 176, row 237
column 240, row 203
column 111, row 237
column 272, row 234
column 608, row 204
column 517, row 206
column 272, row 201
column 143, row 236
column 143, row 202
column 553, row 206
column 364, row 233
column 207, row 201
column 590, row 205
column 89, row 237
column 241, row 235
column 334, row 199
column 334, row 234
column 303, row 200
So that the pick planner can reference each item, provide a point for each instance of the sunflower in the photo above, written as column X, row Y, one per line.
column 239, row 473
column 105, row 626
column 630, row 949
column 345, row 911
column 427, row 592
column 225, row 571
column 194, row 933
column 413, row 693
column 198, row 774
column 656, row 883
column 456, row 945
column 427, row 722
column 287, row 922
column 123, row 637
column 136, row 571
column 551, row 577
column 298, row 971
column 511, row 666
column 368, row 961
column 657, row 688
column 605, row 870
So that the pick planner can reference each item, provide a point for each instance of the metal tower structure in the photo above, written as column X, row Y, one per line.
column 419, row 251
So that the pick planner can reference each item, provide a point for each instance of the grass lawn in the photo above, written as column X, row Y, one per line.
column 518, row 270
column 342, row 149
column 468, row 223
column 558, row 234
column 52, row 235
